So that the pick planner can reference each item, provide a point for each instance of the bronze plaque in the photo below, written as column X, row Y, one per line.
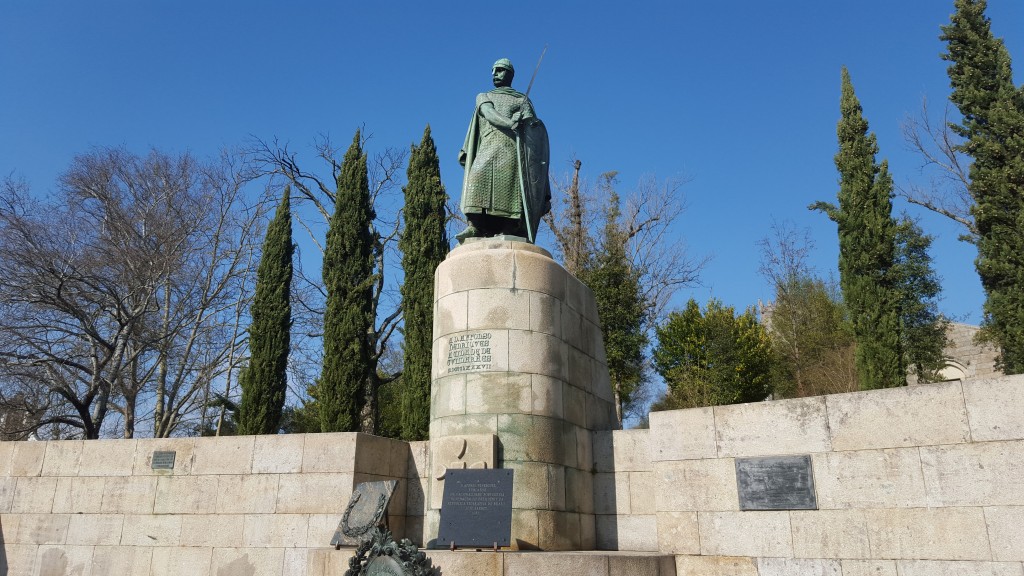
column 476, row 509
column 776, row 483
column 367, row 508
column 162, row 460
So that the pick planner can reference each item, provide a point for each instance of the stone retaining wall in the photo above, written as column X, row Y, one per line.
column 231, row 506
column 924, row 481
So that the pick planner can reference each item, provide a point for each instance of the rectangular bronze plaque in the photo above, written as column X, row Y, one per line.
column 776, row 483
column 476, row 509
column 162, row 461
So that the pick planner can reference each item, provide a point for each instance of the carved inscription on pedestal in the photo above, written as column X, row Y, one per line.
column 469, row 352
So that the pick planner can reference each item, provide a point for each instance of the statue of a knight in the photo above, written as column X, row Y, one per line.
column 505, row 189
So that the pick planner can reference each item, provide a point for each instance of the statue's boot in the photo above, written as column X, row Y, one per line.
column 469, row 232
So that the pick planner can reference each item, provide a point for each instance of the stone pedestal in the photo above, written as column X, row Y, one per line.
column 518, row 354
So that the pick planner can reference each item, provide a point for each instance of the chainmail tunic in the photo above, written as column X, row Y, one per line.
column 492, row 185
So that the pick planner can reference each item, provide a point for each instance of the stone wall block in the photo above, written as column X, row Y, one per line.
column 321, row 528
column 545, row 314
column 418, row 459
column 983, row 474
column 1006, row 532
column 537, row 353
column 9, row 527
column 772, row 428
column 635, row 533
column 940, row 568
column 186, row 495
column 558, row 530
column 77, row 495
column 696, row 485
column 870, row 479
column 108, row 458
column 994, row 408
column 399, row 461
column 547, row 396
column 543, row 565
column 715, row 566
column 121, row 560
column 581, row 369
column 575, row 405
column 43, row 528
column 928, row 534
column 869, row 567
column 683, row 434
column 745, row 534
column 798, row 567
column 631, row 450
column 479, row 563
column 63, row 559
column 255, row 494
column 463, row 271
column 275, row 531
column 20, row 558
column 127, row 494
column 149, row 530
column 642, row 488
column 898, row 417
column 178, row 561
column 8, row 486
column 451, row 313
column 247, row 562
column 499, row 308
column 214, row 530
column 278, row 453
column 373, row 454
column 464, row 425
column 6, row 450
column 224, row 455
column 530, row 438
column 525, row 530
column 34, row 495
column 677, row 533
column 498, row 393
column 62, row 458
column 329, row 452
column 829, row 534
column 537, row 272
column 313, row 493
column 529, row 486
column 611, row 493
column 27, row 458
column 95, row 529
column 603, row 451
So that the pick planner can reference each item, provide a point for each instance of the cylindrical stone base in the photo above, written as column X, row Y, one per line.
column 518, row 354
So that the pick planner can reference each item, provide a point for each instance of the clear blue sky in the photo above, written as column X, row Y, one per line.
column 740, row 97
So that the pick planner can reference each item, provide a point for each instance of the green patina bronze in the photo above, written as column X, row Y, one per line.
column 505, row 188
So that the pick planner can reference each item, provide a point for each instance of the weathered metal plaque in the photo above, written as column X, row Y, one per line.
column 366, row 509
column 776, row 483
column 476, row 509
column 162, row 460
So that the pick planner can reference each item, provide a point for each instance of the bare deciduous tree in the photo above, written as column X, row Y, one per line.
column 122, row 291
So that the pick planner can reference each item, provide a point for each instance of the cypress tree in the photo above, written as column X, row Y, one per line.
column 867, row 247
column 993, row 127
column 424, row 245
column 922, row 328
column 265, row 380
column 348, row 279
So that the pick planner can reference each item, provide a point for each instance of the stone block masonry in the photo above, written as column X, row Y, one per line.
column 231, row 506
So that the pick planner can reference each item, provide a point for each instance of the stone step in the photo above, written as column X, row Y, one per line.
column 588, row 563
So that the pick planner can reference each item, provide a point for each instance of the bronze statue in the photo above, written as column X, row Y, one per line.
column 505, row 189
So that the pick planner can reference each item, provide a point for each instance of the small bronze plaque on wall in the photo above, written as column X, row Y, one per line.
column 776, row 483
column 162, row 460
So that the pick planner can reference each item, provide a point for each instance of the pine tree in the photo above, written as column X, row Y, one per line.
column 620, row 306
column 348, row 279
column 424, row 245
column 712, row 357
column 993, row 126
column 264, row 381
column 867, row 247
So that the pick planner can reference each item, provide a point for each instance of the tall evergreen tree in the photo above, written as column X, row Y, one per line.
column 348, row 279
column 264, row 381
column 922, row 327
column 867, row 247
column 620, row 306
column 993, row 127
column 424, row 245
